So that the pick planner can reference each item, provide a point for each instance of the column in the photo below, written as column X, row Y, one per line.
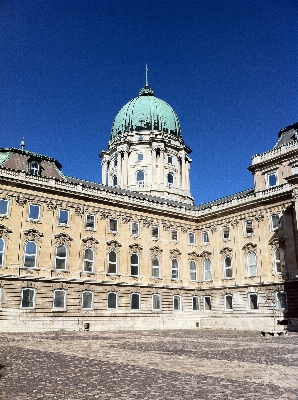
column 119, row 170
column 125, row 169
column 104, row 172
column 183, row 172
column 162, row 168
column 153, row 170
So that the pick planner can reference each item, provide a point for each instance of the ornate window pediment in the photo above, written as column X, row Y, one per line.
column 33, row 234
column 193, row 255
column 4, row 231
column 175, row 253
column 226, row 251
column 205, row 254
column 276, row 242
column 113, row 244
column 90, row 241
column 135, row 247
column 156, row 250
column 248, row 247
column 63, row 238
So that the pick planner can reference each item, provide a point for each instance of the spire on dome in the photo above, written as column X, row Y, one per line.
column 146, row 76
column 146, row 91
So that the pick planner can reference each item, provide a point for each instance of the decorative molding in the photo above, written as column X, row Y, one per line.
column 193, row 254
column 51, row 205
column 295, row 194
column 33, row 234
column 166, row 225
column 21, row 200
column 213, row 227
column 113, row 244
column 147, row 221
column 175, row 253
column 184, row 228
column 248, row 247
column 205, row 254
column 126, row 218
column 276, row 242
column 90, row 241
column 4, row 231
column 156, row 250
column 259, row 217
column 226, row 251
column 135, row 247
column 105, row 214
column 234, row 222
column 79, row 211
column 63, row 238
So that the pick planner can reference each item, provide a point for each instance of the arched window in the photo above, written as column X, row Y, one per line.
column 88, row 262
column 87, row 300
column 155, row 268
column 170, row 180
column 114, row 180
column 279, row 261
column 193, row 270
column 251, row 263
column 207, row 270
column 112, row 262
column 59, row 299
column 2, row 251
column 28, row 298
column 112, row 300
column 135, row 301
column 30, row 256
column 177, row 303
column 134, row 264
column 175, row 268
column 61, row 257
column 228, row 270
column 140, row 178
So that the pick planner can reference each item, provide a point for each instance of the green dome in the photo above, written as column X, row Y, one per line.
column 146, row 112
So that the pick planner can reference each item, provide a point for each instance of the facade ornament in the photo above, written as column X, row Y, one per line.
column 175, row 253
column 147, row 222
column 276, row 242
column 193, row 254
column 166, row 225
column 126, row 218
column 295, row 194
column 205, row 254
column 184, row 228
column 90, row 241
column 33, row 234
column 213, row 227
column 63, row 238
column 156, row 250
column 79, row 211
column 259, row 217
column 4, row 231
column 51, row 205
column 113, row 244
column 234, row 222
column 21, row 200
column 226, row 251
column 248, row 247
column 135, row 247
column 104, row 214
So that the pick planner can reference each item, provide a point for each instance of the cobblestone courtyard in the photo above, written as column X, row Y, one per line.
column 197, row 364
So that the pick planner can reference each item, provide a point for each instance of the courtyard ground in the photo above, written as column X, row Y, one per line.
column 184, row 364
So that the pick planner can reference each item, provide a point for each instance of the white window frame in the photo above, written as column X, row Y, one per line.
column 31, row 290
column 279, row 262
column 193, row 275
column 93, row 218
column 171, row 235
column 34, row 168
column 249, row 302
column 61, row 258
column 140, row 157
column 92, row 300
column 195, row 300
column 132, row 229
column 156, row 298
column 268, row 177
column 278, row 302
column 3, row 202
column 228, row 268
column 175, row 269
column 111, row 228
column 226, row 232
column 170, row 159
column 88, row 260
column 170, row 184
column 64, row 300
column 205, row 271
column 228, row 295
column 112, row 263
column 140, row 182
column 60, row 217
column 31, row 208
column 179, row 305
column 131, row 302
column 133, row 265
column 26, row 254
column 155, row 268
column 116, row 297
column 272, row 224
column 2, row 251
column 209, row 308
column 205, row 237
column 155, row 237
column 192, row 238
column 248, row 234
column 250, row 266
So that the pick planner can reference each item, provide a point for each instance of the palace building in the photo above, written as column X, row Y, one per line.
column 134, row 252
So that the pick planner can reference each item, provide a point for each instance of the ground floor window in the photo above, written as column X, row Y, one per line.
column 177, row 304
column 112, row 300
column 135, row 303
column 195, row 303
column 87, row 300
column 281, row 300
column 228, row 302
column 28, row 298
column 207, row 303
column 253, row 301
column 59, row 299
column 156, row 302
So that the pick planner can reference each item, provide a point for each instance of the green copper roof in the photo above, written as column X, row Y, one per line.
column 146, row 112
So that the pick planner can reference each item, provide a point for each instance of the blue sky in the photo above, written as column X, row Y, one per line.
column 228, row 68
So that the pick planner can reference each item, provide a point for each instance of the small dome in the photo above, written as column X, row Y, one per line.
column 146, row 112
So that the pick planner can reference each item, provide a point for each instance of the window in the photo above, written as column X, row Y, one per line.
column 155, row 268
column 174, row 235
column 253, row 301
column 228, row 270
column 170, row 160
column 112, row 262
column 61, row 257
column 279, row 261
column 28, row 298
column 63, row 217
column 87, row 300
column 4, row 207
column 135, row 301
column 2, row 251
column 34, row 168
column 205, row 237
column 156, row 302
column 115, row 160
column 88, row 262
column 170, row 180
column 90, row 221
column 177, row 303
column 134, row 264
column 251, row 263
column 195, row 303
column 135, row 228
column 225, row 233
column 112, row 300
column 155, row 232
column 193, row 270
column 271, row 179
column 207, row 303
column 140, row 178
column 281, row 300
column 207, row 270
column 228, row 302
column 114, row 179
column 248, row 228
column 30, row 256
column 175, row 269
column 191, row 238
column 275, row 222
column 113, row 225
column 59, row 299
column 140, row 138
column 34, row 212
column 140, row 157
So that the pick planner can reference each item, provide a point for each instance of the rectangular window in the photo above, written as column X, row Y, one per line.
column 207, row 270
column 135, row 301
column 170, row 160
column 177, row 306
column 271, row 179
column 113, row 225
column 2, row 251
column 225, row 233
column 34, row 212
column 191, row 238
column 112, row 301
column 87, row 300
column 28, row 298
column 248, row 228
column 63, row 217
column 174, row 235
column 207, row 303
column 59, row 300
column 135, row 229
column 140, row 156
column 205, row 237
column 228, row 302
column 156, row 302
column 253, row 301
column 90, row 221
column 4, row 207
column 155, row 232
column 275, row 222
column 195, row 303
column 281, row 300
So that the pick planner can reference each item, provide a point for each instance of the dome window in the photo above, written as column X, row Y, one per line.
column 140, row 178
column 170, row 180
column 140, row 157
column 140, row 138
column 115, row 180
column 170, row 160
column 34, row 168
